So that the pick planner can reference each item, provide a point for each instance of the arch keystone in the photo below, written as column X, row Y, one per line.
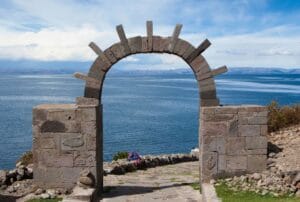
column 123, row 38
column 200, row 49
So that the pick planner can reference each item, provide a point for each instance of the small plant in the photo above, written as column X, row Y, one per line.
column 195, row 186
column 281, row 117
column 120, row 155
column 26, row 158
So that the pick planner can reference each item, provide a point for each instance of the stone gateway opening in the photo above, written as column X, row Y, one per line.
column 68, row 138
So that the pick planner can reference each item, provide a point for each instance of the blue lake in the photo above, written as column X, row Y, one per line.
column 150, row 114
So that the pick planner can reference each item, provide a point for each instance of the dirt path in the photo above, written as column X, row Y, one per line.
column 166, row 183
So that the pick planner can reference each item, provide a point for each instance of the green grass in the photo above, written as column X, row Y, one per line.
column 228, row 195
column 45, row 200
column 196, row 186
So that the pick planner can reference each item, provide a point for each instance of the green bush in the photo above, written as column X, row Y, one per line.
column 120, row 155
column 26, row 158
column 281, row 117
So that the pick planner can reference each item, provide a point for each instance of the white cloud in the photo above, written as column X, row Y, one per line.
column 62, row 30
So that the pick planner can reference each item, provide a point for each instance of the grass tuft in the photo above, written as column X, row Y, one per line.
column 228, row 195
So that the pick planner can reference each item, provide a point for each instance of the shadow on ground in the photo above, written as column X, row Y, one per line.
column 5, row 198
column 114, row 191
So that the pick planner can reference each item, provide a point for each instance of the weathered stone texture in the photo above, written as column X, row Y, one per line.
column 237, row 136
column 66, row 142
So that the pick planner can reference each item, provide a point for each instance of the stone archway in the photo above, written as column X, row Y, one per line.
column 68, row 138
column 153, row 44
column 150, row 44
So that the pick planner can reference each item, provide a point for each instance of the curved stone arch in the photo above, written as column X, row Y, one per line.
column 153, row 44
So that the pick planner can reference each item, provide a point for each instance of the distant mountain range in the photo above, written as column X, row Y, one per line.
column 69, row 67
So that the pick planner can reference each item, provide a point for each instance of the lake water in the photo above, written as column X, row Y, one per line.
column 150, row 114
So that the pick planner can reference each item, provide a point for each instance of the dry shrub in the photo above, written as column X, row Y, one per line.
column 26, row 158
column 281, row 117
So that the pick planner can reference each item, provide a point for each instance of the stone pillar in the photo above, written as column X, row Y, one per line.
column 66, row 140
column 232, row 140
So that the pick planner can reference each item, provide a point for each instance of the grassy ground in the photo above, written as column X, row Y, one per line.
column 228, row 195
column 45, row 200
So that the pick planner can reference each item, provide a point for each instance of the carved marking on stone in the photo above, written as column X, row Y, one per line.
column 73, row 142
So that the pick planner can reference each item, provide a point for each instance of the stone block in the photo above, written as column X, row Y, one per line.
column 72, row 142
column 257, row 151
column 234, row 163
column 144, row 48
column 249, row 130
column 208, row 95
column 221, row 163
column 62, row 115
column 210, row 87
column 215, row 129
column 209, row 166
column 63, row 177
column 100, row 63
column 135, row 44
column 203, row 76
column 83, row 101
column 181, row 47
column 259, row 142
column 89, row 128
column 257, row 163
column 252, row 108
column 236, row 146
column 233, row 127
column 214, row 144
column 53, row 127
column 156, row 43
column 109, row 54
column 207, row 110
column 257, row 120
column 47, row 143
column 217, row 117
column 88, row 113
column 90, row 92
column 198, row 62
column 38, row 115
column 226, row 110
column 118, row 51
column 91, row 143
column 206, row 82
column 72, row 127
column 188, row 52
column 85, row 159
column 209, row 102
column 263, row 130
column 52, row 158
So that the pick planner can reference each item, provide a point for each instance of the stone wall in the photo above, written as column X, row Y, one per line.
column 232, row 140
column 67, row 138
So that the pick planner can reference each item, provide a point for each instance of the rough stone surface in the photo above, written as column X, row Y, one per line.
column 239, row 146
column 61, row 153
column 164, row 183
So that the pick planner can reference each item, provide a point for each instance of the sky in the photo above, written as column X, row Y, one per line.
column 243, row 33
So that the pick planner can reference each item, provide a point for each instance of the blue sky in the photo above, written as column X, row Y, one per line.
column 254, row 33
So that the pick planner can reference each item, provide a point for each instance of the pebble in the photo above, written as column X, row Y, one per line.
column 45, row 196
